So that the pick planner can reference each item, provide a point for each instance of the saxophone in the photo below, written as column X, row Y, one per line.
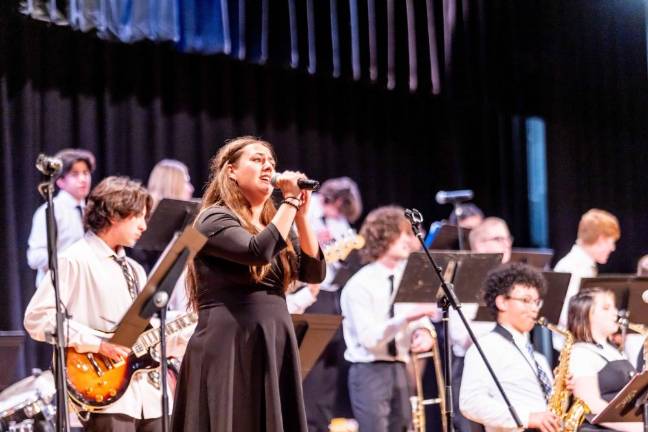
column 571, row 415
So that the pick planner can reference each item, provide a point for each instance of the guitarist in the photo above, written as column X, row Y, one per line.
column 98, row 284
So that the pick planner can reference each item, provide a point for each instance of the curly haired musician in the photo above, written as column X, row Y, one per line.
column 98, row 284
column 513, row 293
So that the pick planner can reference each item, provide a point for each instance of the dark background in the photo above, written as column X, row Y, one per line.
column 581, row 65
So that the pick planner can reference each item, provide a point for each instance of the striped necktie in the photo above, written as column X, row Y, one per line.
column 128, row 275
column 543, row 378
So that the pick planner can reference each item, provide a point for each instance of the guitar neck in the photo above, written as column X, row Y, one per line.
column 151, row 337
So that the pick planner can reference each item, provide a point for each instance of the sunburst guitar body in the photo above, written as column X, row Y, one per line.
column 95, row 381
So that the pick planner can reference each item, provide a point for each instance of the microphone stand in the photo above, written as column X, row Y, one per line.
column 449, row 299
column 457, row 213
column 47, row 190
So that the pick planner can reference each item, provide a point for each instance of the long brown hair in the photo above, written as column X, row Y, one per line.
column 224, row 191
column 578, row 313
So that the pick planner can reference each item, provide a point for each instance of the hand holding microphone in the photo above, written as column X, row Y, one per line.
column 294, row 184
column 301, row 181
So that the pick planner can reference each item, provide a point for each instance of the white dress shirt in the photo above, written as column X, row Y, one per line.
column 70, row 229
column 580, row 265
column 587, row 359
column 367, row 326
column 95, row 294
column 479, row 398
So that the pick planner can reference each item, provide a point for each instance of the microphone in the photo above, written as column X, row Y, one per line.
column 307, row 184
column 48, row 165
column 454, row 197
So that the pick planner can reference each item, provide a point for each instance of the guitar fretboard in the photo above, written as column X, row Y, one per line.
column 152, row 337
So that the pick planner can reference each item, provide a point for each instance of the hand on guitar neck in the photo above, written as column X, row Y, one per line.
column 113, row 351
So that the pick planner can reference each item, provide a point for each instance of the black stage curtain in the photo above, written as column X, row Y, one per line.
column 135, row 104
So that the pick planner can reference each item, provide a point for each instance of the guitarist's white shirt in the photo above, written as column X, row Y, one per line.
column 95, row 294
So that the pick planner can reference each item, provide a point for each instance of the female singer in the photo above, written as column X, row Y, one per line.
column 598, row 368
column 241, row 370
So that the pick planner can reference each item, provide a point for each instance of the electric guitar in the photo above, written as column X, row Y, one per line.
column 340, row 249
column 94, row 381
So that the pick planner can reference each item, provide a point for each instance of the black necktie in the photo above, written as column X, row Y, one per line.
column 391, row 345
column 130, row 280
column 80, row 210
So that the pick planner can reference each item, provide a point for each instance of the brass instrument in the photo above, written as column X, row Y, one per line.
column 419, row 402
column 571, row 415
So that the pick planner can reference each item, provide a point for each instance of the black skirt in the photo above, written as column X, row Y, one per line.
column 241, row 370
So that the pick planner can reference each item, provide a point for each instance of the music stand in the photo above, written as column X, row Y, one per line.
column 557, row 284
column 154, row 297
column 169, row 217
column 10, row 344
column 348, row 267
column 538, row 258
column 619, row 284
column 313, row 332
column 629, row 405
column 637, row 307
column 447, row 237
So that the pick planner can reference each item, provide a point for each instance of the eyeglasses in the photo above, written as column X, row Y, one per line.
column 528, row 301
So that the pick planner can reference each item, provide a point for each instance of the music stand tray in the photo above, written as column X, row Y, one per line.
column 538, row 258
column 169, row 217
column 133, row 324
column 447, row 238
column 619, row 284
column 626, row 405
column 557, row 284
column 465, row 269
column 313, row 332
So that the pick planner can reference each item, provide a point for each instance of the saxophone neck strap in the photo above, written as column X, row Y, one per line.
column 500, row 330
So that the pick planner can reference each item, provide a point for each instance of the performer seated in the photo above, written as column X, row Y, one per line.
column 98, row 283
column 598, row 369
column 513, row 293
column 377, row 338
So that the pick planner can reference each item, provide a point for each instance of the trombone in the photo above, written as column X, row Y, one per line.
column 418, row 402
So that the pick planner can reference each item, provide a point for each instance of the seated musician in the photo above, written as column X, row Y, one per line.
column 513, row 293
column 98, row 283
column 598, row 368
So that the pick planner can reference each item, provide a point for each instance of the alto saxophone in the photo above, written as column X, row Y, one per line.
column 419, row 402
column 571, row 415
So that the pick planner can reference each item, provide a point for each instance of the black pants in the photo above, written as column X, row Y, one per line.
column 380, row 396
column 121, row 423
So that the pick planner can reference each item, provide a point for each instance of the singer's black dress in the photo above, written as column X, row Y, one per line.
column 241, row 370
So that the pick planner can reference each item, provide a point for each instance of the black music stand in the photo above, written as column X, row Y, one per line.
column 557, row 284
column 447, row 237
column 154, row 298
column 465, row 269
column 347, row 268
column 169, row 217
column 11, row 343
column 619, row 284
column 637, row 307
column 313, row 332
column 629, row 405
column 538, row 258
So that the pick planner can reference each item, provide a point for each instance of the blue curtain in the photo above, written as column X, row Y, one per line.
column 389, row 43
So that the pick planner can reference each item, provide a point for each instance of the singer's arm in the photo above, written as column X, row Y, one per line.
column 307, row 236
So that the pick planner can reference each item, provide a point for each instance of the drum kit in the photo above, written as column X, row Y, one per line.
column 29, row 405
